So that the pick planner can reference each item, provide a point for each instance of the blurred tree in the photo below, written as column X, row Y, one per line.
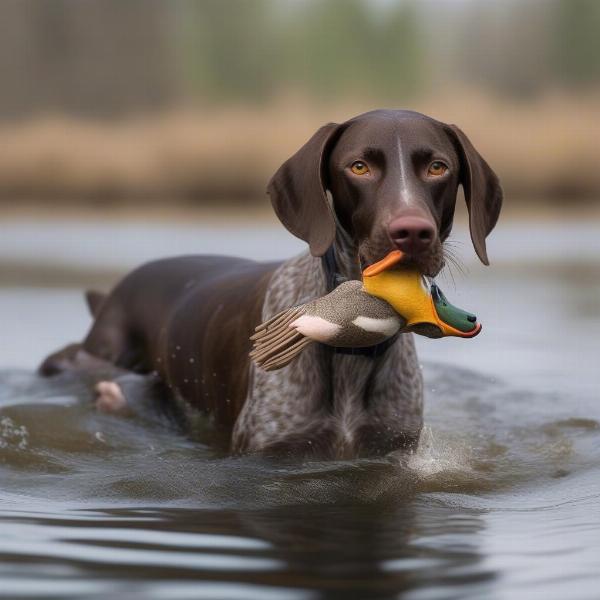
column 91, row 57
column 505, row 47
column 345, row 46
column 576, row 47
column 399, row 69
column 335, row 39
column 229, row 48
column 250, row 50
column 109, row 57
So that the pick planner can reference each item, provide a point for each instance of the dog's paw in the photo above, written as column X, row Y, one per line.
column 110, row 397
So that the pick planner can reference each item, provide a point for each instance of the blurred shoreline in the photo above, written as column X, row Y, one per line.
column 256, row 211
column 88, row 247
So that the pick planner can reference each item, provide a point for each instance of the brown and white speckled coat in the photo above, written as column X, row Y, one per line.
column 340, row 405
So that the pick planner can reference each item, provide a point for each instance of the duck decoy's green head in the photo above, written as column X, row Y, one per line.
column 461, row 320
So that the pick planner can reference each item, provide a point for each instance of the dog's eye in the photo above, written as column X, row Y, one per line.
column 359, row 167
column 436, row 169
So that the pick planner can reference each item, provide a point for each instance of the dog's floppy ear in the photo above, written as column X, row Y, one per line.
column 483, row 193
column 298, row 192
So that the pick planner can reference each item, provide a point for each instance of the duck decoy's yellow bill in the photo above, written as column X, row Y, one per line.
column 404, row 289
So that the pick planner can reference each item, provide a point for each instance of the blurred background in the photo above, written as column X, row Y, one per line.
column 107, row 103
column 132, row 130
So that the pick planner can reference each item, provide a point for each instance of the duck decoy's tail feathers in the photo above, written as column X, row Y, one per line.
column 284, row 358
column 275, row 323
column 275, row 343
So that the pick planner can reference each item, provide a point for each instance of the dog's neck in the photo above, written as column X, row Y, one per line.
column 341, row 263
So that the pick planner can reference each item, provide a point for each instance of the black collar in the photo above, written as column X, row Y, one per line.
column 333, row 279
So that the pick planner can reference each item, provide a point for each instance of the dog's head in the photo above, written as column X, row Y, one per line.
column 393, row 177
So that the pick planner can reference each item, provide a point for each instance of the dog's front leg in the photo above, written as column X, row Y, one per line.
column 287, row 411
column 394, row 402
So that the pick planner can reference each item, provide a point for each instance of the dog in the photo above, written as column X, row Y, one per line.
column 384, row 180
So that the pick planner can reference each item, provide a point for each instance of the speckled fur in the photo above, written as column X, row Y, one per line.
column 327, row 404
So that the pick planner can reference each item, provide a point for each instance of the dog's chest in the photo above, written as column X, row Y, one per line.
column 317, row 405
column 322, row 403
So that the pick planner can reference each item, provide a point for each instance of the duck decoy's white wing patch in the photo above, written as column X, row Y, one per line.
column 387, row 326
column 315, row 328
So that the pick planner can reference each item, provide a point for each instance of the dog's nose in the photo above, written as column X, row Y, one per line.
column 412, row 235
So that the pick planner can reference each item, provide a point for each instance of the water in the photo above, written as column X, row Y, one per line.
column 502, row 499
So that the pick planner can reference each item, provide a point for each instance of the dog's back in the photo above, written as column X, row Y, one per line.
column 189, row 320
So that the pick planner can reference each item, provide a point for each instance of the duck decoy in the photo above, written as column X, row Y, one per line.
column 391, row 298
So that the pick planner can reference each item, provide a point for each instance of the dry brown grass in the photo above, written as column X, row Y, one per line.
column 546, row 147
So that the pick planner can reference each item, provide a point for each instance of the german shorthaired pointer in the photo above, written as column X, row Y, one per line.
column 355, row 191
